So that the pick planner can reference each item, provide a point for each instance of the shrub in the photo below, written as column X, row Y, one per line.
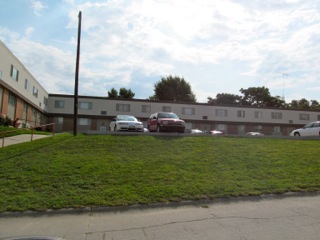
column 5, row 120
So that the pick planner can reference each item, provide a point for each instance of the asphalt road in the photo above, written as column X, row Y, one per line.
column 294, row 217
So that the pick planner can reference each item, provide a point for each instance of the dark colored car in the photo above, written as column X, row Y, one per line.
column 165, row 122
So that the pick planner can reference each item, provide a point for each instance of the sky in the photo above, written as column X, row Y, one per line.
column 217, row 46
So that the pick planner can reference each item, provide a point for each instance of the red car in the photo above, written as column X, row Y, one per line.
column 165, row 122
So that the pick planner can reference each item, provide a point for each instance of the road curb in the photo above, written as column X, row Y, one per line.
column 144, row 207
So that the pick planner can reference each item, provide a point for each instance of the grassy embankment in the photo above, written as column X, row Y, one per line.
column 106, row 170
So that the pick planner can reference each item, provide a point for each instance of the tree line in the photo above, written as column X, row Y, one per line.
column 177, row 89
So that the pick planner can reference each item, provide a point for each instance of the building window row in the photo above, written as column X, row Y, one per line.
column 185, row 110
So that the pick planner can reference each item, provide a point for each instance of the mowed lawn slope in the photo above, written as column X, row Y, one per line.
column 107, row 170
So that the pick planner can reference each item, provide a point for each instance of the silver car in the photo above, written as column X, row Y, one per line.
column 310, row 129
column 126, row 123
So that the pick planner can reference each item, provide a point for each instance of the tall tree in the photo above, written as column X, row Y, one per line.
column 126, row 93
column 123, row 93
column 304, row 104
column 256, row 96
column 314, row 104
column 173, row 88
column 225, row 99
column 113, row 93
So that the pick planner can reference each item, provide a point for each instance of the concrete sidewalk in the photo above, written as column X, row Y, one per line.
column 20, row 139
column 294, row 218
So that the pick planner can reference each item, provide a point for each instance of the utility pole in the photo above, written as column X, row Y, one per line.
column 75, row 116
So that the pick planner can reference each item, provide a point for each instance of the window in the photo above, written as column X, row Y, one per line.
column 241, row 114
column 12, row 100
column 85, row 105
column 166, row 109
column 146, row 109
column 258, row 128
column 205, row 117
column 276, row 115
column 188, row 111
column 14, row 73
column 84, row 121
column 59, row 104
column 45, row 101
column 241, row 128
column 60, row 120
column 221, row 127
column 276, row 129
column 35, row 91
column 258, row 114
column 303, row 116
column 103, row 113
column 221, row 113
column 123, row 107
column 26, row 84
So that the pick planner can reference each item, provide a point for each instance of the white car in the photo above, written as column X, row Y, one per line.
column 196, row 131
column 310, row 129
column 255, row 133
column 126, row 123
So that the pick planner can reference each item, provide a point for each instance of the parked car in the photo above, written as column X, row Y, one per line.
column 165, row 121
column 216, row 132
column 196, row 131
column 310, row 129
column 125, row 123
column 255, row 133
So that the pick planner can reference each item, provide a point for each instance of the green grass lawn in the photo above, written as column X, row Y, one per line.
column 108, row 170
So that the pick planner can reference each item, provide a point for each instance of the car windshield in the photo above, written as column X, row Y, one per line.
column 168, row 115
column 127, row 118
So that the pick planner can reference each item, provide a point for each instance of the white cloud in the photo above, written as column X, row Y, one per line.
column 217, row 46
column 37, row 7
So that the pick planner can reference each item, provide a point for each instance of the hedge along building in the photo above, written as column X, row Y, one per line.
column 21, row 96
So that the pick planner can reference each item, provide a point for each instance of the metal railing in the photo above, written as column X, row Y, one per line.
column 45, row 127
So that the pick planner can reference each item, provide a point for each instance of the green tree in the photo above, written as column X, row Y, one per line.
column 257, row 96
column 113, row 93
column 304, row 104
column 123, row 93
column 314, row 105
column 126, row 93
column 173, row 88
column 225, row 99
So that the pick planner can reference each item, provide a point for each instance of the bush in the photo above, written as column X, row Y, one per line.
column 5, row 120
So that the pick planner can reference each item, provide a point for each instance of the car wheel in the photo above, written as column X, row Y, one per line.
column 158, row 128
column 297, row 134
